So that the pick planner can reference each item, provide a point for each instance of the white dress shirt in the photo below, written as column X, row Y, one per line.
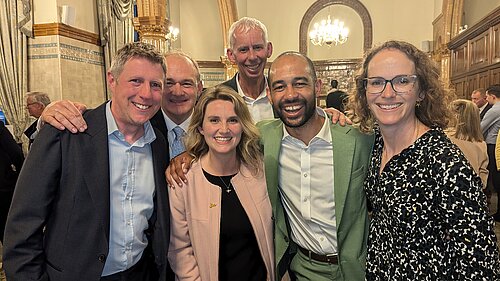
column 306, row 186
column 260, row 108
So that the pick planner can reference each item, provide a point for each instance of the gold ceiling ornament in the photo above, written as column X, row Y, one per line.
column 327, row 33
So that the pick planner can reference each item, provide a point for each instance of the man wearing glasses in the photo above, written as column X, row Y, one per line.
column 35, row 103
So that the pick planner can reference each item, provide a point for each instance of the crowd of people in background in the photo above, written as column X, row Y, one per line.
column 261, row 183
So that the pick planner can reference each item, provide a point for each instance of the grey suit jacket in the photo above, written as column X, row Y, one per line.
column 351, row 153
column 64, row 188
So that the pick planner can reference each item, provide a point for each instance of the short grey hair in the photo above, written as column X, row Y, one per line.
column 245, row 24
column 39, row 97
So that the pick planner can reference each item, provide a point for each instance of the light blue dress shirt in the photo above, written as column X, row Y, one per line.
column 491, row 124
column 132, row 189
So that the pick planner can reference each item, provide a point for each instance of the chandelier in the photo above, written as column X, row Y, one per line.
column 328, row 34
column 172, row 34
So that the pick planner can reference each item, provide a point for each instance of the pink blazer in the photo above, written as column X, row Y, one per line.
column 195, row 223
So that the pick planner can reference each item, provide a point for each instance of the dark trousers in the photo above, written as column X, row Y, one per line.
column 494, row 174
column 5, row 200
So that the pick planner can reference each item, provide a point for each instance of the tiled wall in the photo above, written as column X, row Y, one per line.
column 67, row 69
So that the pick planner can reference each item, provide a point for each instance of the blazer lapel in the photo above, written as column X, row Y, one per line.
column 95, row 150
column 343, row 153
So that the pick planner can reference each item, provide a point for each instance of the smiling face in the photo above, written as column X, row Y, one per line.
column 221, row 128
column 181, row 88
column 293, row 90
column 390, row 108
column 136, row 93
column 250, row 52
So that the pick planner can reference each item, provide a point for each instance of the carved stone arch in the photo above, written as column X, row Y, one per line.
column 317, row 6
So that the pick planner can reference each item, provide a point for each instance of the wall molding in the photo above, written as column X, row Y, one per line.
column 61, row 29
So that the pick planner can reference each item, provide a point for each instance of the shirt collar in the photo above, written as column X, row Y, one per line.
column 262, row 95
column 323, row 134
column 171, row 124
column 148, row 137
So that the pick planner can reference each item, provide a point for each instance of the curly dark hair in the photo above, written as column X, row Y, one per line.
column 434, row 108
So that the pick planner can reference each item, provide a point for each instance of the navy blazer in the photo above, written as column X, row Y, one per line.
column 58, row 225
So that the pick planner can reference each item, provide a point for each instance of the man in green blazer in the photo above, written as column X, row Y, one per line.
column 315, row 172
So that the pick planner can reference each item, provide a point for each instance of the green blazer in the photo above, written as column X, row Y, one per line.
column 351, row 151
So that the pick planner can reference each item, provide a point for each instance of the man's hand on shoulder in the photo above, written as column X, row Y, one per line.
column 65, row 114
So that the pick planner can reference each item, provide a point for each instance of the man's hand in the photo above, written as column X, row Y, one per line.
column 338, row 116
column 65, row 114
column 176, row 171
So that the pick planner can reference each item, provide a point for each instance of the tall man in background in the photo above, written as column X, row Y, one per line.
column 249, row 50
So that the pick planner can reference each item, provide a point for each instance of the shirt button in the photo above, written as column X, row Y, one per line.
column 305, row 175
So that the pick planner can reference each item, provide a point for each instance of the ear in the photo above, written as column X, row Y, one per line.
column 111, row 80
column 268, row 94
column 317, row 87
column 269, row 49
column 230, row 55
column 200, row 88
column 200, row 129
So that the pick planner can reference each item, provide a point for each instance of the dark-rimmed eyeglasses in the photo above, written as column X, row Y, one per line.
column 400, row 84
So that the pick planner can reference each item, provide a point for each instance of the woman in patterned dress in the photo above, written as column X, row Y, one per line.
column 430, row 220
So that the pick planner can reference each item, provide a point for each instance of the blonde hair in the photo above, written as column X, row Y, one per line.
column 466, row 124
column 433, row 109
column 248, row 150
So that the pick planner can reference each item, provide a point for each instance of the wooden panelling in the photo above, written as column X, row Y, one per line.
column 479, row 51
column 61, row 29
column 475, row 56
column 495, row 76
column 460, row 87
column 460, row 60
column 495, row 43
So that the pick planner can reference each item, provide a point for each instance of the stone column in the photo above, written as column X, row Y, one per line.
column 151, row 23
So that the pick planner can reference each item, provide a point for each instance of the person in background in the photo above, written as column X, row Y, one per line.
column 336, row 98
column 11, row 161
column 35, row 103
column 221, row 226
column 490, row 125
column 94, row 206
column 478, row 97
column 249, row 49
column 465, row 132
column 429, row 218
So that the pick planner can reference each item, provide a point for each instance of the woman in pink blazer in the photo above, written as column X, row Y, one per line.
column 221, row 226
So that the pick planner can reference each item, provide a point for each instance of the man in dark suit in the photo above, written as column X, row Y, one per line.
column 94, row 206
column 35, row 103
column 249, row 49
column 478, row 96
column 336, row 98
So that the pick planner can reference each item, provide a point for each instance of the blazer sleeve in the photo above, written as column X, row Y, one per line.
column 23, row 254
column 497, row 152
column 180, row 252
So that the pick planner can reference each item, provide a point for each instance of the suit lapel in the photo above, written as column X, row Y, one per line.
column 95, row 151
column 343, row 153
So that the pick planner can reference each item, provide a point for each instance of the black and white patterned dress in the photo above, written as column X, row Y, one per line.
column 430, row 219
